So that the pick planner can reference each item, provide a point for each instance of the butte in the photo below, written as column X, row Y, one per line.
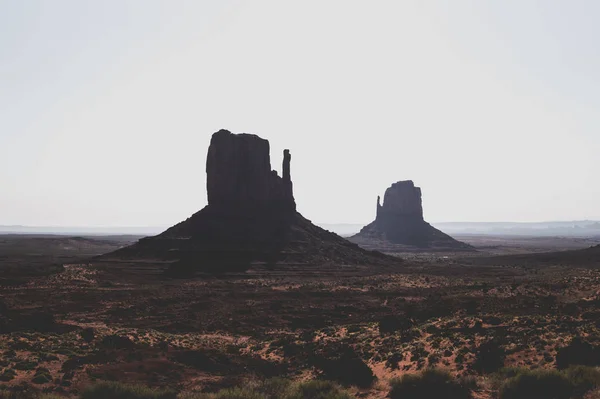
column 250, row 220
column 399, row 225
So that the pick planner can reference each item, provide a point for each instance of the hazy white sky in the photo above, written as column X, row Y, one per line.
column 492, row 107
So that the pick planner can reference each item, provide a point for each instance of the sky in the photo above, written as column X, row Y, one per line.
column 491, row 107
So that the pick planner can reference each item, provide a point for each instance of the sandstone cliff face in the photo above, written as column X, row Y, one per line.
column 400, row 221
column 238, row 173
column 403, row 198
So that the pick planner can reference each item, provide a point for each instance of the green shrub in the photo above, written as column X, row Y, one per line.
column 318, row 390
column 5, row 394
column 7, row 375
column 26, row 365
column 537, row 384
column 42, row 376
column 48, row 357
column 115, row 390
column 277, row 388
column 41, row 379
column 238, row 393
column 578, row 352
column 498, row 378
column 230, row 393
column 583, row 379
column 429, row 384
column 344, row 366
column 489, row 357
column 573, row 382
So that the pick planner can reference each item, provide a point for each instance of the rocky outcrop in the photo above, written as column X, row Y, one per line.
column 238, row 171
column 250, row 218
column 399, row 222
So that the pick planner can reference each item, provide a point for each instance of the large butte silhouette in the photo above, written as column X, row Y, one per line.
column 250, row 218
column 399, row 224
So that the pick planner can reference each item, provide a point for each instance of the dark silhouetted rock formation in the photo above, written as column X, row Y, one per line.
column 250, row 218
column 399, row 222
column 238, row 171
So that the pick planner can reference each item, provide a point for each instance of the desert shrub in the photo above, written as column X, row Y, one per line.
column 65, row 351
column 346, row 369
column 410, row 335
column 489, row 357
column 42, row 376
column 468, row 381
column 25, row 365
column 578, row 352
column 471, row 307
column 390, row 324
column 492, row 320
column 318, row 390
column 47, row 357
column 230, row 393
column 116, row 342
column 27, row 395
column 583, row 379
column 538, row 384
column 393, row 360
column 71, row 364
column 7, row 375
column 549, row 384
column 115, row 390
column 275, row 387
column 501, row 376
column 429, row 384
column 10, row 354
column 88, row 334
column 15, row 395
column 41, row 379
column 205, row 360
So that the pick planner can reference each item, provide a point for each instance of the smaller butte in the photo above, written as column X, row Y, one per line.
column 399, row 224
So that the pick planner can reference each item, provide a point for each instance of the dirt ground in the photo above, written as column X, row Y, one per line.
column 92, row 321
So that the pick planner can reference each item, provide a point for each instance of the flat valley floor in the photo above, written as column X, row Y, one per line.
column 126, row 322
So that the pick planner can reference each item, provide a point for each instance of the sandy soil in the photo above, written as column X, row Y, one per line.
column 127, row 322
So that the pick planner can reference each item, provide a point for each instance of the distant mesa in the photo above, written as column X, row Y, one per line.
column 399, row 224
column 250, row 218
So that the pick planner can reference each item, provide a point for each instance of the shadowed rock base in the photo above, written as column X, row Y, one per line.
column 214, row 241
